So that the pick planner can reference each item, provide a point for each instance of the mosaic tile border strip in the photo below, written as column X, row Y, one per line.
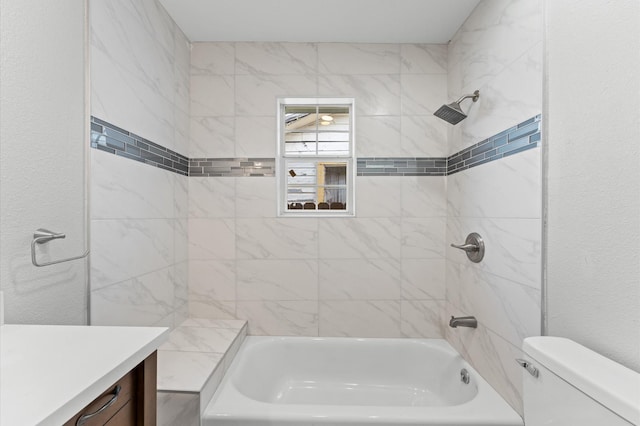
column 402, row 166
column 232, row 167
column 114, row 140
column 109, row 138
column 519, row 138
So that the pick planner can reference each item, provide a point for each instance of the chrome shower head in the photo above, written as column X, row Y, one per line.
column 452, row 113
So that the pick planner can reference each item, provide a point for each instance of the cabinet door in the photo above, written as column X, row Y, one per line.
column 125, row 417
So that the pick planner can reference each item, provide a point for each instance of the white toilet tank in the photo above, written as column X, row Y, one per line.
column 576, row 386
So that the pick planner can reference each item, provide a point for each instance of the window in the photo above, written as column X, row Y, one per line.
column 316, row 168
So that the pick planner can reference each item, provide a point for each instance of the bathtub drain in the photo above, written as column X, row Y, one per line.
column 464, row 376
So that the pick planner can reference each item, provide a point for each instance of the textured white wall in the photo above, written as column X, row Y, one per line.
column 498, row 50
column 42, row 149
column 593, row 189
column 139, row 82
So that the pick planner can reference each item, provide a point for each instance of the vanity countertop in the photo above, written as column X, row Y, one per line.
column 48, row 373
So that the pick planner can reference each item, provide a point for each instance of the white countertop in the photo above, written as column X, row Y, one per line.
column 49, row 373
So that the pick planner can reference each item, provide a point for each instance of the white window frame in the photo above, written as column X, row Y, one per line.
column 350, row 159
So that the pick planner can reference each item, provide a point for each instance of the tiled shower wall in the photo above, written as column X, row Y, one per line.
column 379, row 274
column 139, row 82
column 498, row 51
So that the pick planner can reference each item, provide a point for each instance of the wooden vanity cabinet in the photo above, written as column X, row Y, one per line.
column 130, row 401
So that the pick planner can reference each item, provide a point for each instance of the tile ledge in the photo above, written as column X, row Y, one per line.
column 170, row 381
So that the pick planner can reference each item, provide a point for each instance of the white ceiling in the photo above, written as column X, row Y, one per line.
column 357, row 21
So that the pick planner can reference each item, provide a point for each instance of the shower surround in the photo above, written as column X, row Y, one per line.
column 385, row 273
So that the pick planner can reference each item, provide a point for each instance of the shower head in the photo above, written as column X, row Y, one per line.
column 452, row 113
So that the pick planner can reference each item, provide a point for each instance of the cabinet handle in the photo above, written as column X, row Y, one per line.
column 83, row 419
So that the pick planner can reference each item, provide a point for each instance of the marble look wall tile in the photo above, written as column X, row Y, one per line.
column 140, row 81
column 423, row 58
column 180, row 240
column 143, row 300
column 128, row 102
column 509, row 309
column 178, row 409
column 256, row 197
column 375, row 94
column 185, row 372
column 199, row 339
column 276, row 58
column 378, row 136
column 423, row 136
column 122, row 249
column 256, row 94
column 179, row 275
column 378, row 196
column 510, row 187
column 424, row 196
column 512, row 96
column 182, row 124
column 496, row 34
column 182, row 58
column 166, row 321
column 423, row 238
column 138, row 37
column 256, row 136
column 422, row 319
column 423, row 279
column 212, row 137
column 212, row 197
column 205, row 307
column 288, row 238
column 359, row 279
column 212, row 279
column 180, row 314
column 182, row 85
column 422, row 94
column 280, row 318
column 212, row 239
column 205, row 322
column 212, row 95
column 368, row 238
column 358, row 318
column 113, row 197
column 493, row 358
column 277, row 280
column 213, row 58
column 180, row 196
column 512, row 247
column 358, row 58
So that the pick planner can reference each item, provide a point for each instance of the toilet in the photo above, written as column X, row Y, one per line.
column 566, row 384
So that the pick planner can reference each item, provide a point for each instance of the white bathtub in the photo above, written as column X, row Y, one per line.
column 343, row 381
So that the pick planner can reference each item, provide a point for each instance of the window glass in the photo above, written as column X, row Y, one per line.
column 316, row 157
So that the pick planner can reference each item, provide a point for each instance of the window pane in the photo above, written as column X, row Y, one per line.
column 317, row 155
column 316, row 182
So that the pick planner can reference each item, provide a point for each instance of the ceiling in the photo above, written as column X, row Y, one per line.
column 355, row 21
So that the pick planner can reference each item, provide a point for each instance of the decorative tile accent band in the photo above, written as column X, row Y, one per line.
column 402, row 166
column 232, row 167
column 521, row 137
column 109, row 138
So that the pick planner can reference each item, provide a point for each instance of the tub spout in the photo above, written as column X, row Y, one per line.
column 463, row 322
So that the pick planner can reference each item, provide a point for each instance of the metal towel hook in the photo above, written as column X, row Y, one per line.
column 42, row 236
